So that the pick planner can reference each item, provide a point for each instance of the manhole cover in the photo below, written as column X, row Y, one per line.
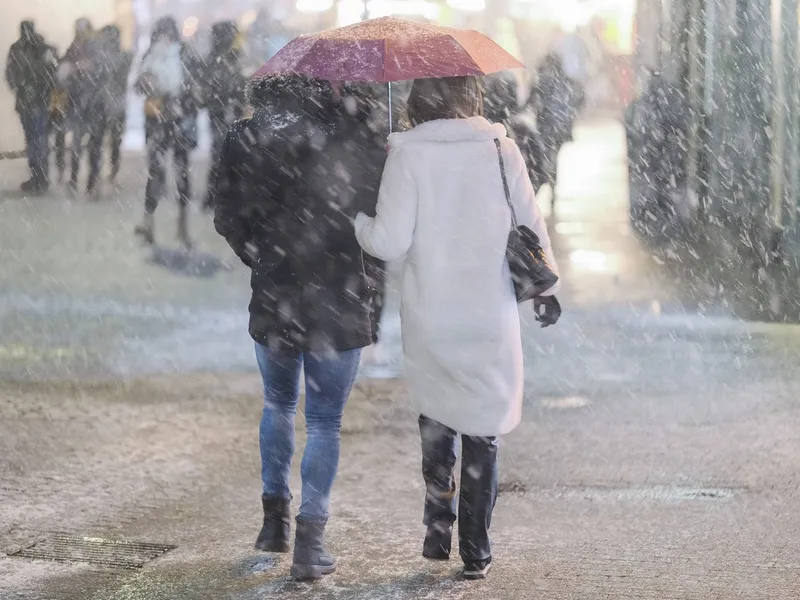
column 109, row 553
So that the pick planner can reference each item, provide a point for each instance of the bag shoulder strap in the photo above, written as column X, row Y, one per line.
column 505, row 184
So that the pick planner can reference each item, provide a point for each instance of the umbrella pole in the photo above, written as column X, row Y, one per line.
column 389, row 86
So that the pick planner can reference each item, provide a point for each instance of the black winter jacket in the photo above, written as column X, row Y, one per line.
column 31, row 72
column 290, row 184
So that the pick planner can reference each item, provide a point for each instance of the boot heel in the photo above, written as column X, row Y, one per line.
column 438, row 540
column 311, row 561
column 279, row 546
column 311, row 572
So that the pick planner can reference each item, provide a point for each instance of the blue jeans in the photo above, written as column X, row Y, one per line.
column 35, row 124
column 329, row 379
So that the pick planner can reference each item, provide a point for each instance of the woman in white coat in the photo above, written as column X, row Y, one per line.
column 442, row 210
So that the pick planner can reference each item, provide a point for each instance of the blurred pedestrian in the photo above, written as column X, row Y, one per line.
column 442, row 209
column 30, row 73
column 79, row 77
column 106, row 105
column 291, row 180
column 501, row 105
column 264, row 38
column 657, row 131
column 115, row 64
column 223, row 94
column 166, row 80
column 556, row 99
column 59, row 107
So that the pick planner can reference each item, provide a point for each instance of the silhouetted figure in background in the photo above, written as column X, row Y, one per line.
column 223, row 94
column 166, row 80
column 30, row 73
column 59, row 107
column 116, row 65
column 501, row 105
column 264, row 38
column 556, row 99
column 79, row 76
column 657, row 129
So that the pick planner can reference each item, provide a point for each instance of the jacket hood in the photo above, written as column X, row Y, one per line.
column 473, row 129
column 291, row 93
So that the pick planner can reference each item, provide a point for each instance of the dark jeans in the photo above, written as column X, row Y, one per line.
column 58, row 127
column 35, row 124
column 163, row 136
column 88, row 122
column 479, row 478
column 115, row 126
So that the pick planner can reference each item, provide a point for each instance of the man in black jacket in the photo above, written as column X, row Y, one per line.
column 557, row 100
column 80, row 77
column 291, row 180
column 30, row 73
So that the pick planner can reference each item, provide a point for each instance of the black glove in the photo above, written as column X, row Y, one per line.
column 547, row 309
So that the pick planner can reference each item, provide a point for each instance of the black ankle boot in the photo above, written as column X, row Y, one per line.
column 311, row 561
column 438, row 540
column 274, row 536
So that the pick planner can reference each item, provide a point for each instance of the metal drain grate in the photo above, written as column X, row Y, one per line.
column 96, row 551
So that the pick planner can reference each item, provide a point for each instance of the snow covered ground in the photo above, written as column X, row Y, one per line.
column 657, row 458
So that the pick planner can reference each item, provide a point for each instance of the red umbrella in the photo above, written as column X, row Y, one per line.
column 390, row 49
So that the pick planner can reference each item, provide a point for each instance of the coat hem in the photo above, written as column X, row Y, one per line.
column 266, row 339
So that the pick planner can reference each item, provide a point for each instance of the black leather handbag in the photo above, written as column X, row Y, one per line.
column 530, row 269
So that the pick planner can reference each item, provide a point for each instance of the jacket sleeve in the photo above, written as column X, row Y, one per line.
column 13, row 70
column 389, row 234
column 524, row 201
column 230, row 214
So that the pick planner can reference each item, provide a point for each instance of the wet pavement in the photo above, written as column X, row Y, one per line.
column 80, row 296
column 656, row 460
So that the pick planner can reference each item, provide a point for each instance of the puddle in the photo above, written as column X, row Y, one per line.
column 261, row 564
column 657, row 493
column 565, row 402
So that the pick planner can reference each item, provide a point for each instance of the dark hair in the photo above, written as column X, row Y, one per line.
column 111, row 34
column 27, row 29
column 445, row 98
column 166, row 27
column 223, row 36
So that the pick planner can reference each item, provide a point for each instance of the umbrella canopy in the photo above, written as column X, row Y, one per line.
column 390, row 49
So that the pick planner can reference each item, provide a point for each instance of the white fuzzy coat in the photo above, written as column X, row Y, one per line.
column 441, row 209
